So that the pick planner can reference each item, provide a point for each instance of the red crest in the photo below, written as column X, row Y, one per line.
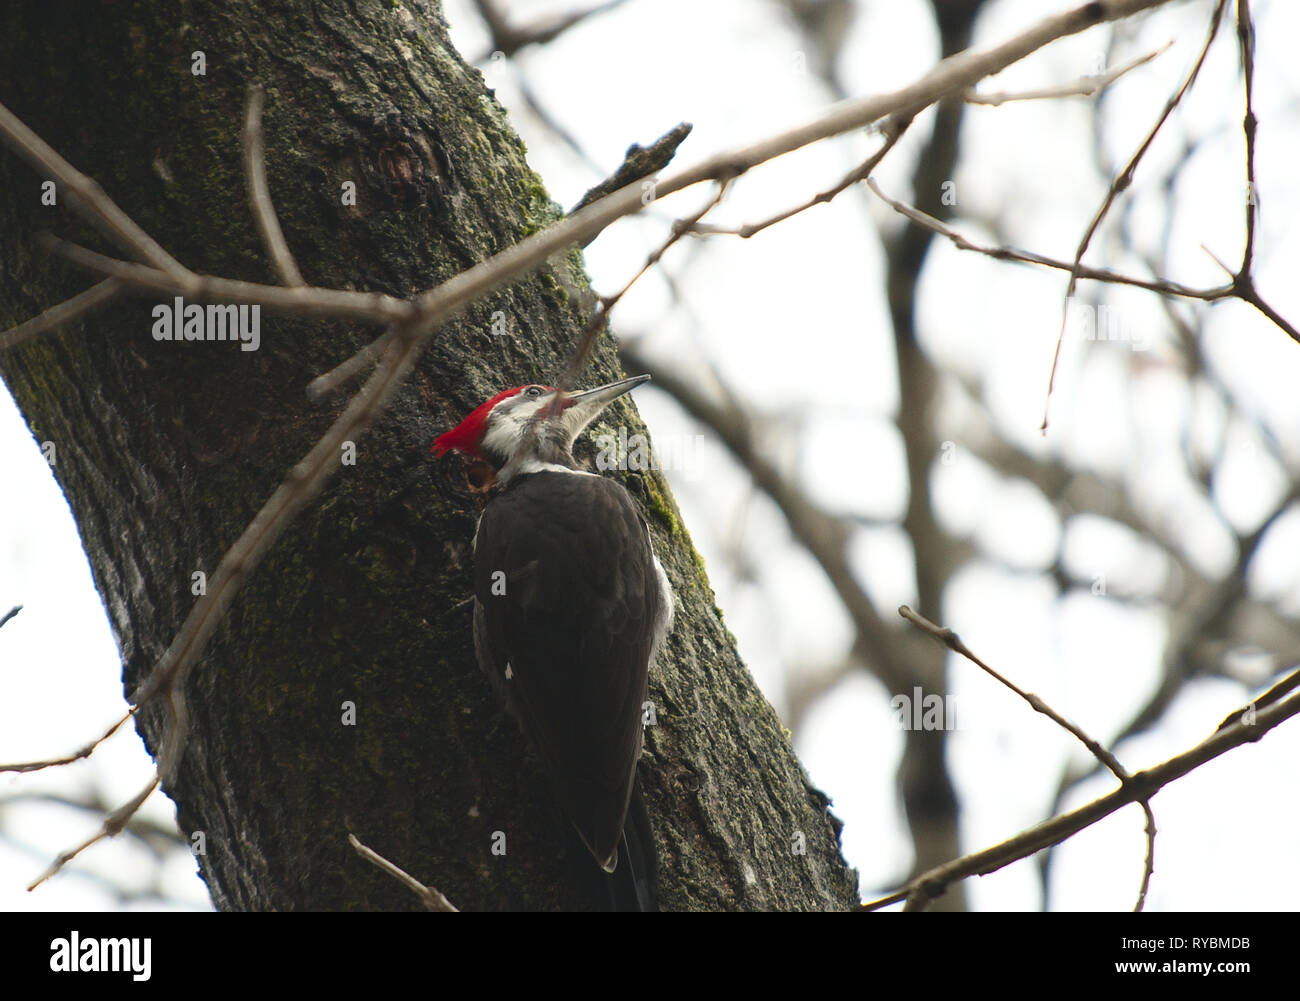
column 466, row 436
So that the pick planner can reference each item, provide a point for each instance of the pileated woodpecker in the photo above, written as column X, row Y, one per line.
column 570, row 607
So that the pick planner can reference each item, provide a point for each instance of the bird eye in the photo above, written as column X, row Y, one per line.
column 534, row 390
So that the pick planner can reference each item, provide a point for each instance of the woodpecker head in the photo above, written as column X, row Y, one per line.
column 529, row 427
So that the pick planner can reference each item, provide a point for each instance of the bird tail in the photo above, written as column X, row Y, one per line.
column 634, row 883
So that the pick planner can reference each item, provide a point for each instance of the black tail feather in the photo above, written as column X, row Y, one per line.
column 634, row 885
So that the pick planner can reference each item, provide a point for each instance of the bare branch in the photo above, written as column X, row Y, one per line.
column 62, row 314
column 87, row 196
column 1244, row 280
column 432, row 898
column 304, row 482
column 1142, row 785
column 1163, row 286
column 67, row 759
column 414, row 322
column 893, row 129
column 1246, row 42
column 508, row 38
column 259, row 193
column 1284, row 687
column 954, row 643
column 600, row 316
column 1243, row 288
column 954, row 73
column 116, row 822
column 440, row 304
column 353, row 366
column 113, row 825
column 638, row 162
column 1121, row 182
column 307, row 301
column 1088, row 86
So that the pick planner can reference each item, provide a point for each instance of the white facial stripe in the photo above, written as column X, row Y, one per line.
column 502, row 434
column 509, row 422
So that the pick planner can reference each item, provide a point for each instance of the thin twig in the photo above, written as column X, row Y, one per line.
column 306, row 301
column 958, row 71
column 1284, row 687
column 508, row 38
column 62, row 314
column 259, row 193
column 354, row 365
column 116, row 821
column 1163, row 286
column 1143, row 784
column 67, row 759
column 1088, row 86
column 1246, row 42
column 1120, row 183
column 1243, row 288
column 88, row 197
column 304, row 482
column 1244, row 279
column 112, row 826
column 893, row 130
column 432, row 898
column 954, row 643
column 415, row 322
column 600, row 316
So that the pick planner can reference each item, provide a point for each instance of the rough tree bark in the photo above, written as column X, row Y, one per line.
column 165, row 450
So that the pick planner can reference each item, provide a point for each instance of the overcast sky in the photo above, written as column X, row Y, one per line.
column 795, row 322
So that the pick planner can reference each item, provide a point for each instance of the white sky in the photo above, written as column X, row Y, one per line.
column 769, row 313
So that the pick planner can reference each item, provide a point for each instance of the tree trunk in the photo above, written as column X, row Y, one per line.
column 166, row 449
